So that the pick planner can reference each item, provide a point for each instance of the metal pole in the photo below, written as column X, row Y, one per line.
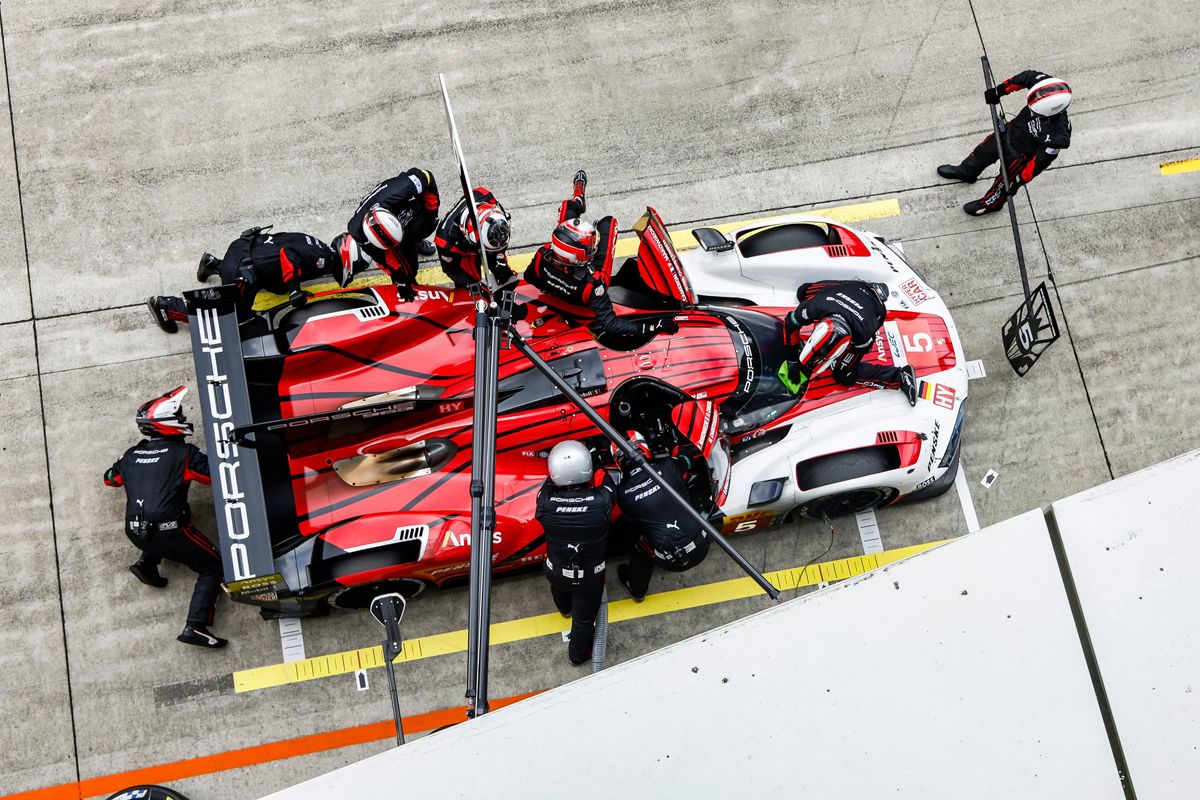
column 484, row 438
column 998, row 129
column 479, row 420
column 632, row 452
column 391, row 671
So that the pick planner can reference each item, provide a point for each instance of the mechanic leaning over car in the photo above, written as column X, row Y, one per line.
column 271, row 261
column 664, row 536
column 847, row 315
column 1031, row 140
column 575, row 268
column 156, row 473
column 458, row 246
column 391, row 224
column 574, row 508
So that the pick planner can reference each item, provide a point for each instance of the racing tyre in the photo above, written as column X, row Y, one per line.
column 838, row 467
column 359, row 597
column 851, row 502
column 147, row 792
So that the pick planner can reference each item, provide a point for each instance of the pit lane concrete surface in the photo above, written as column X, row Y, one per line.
column 141, row 134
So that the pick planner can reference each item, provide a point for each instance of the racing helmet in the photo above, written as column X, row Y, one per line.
column 382, row 228
column 353, row 259
column 829, row 339
column 1048, row 97
column 637, row 440
column 496, row 229
column 163, row 416
column 570, row 463
column 573, row 241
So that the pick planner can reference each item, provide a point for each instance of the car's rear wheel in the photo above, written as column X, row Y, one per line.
column 357, row 597
column 851, row 502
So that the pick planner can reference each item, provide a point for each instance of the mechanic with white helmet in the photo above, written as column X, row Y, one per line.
column 268, row 260
column 663, row 535
column 574, row 508
column 458, row 246
column 847, row 314
column 573, row 271
column 155, row 474
column 1031, row 141
column 391, row 224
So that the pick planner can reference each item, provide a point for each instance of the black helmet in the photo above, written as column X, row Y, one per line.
column 163, row 416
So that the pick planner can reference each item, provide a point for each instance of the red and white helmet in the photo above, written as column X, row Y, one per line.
column 495, row 225
column 574, row 241
column 1048, row 97
column 383, row 228
column 635, row 439
column 829, row 339
column 163, row 416
column 354, row 260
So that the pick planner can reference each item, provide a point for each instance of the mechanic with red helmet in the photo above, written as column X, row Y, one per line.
column 574, row 508
column 391, row 224
column 664, row 536
column 847, row 314
column 458, row 246
column 156, row 473
column 575, row 268
column 1031, row 140
column 272, row 261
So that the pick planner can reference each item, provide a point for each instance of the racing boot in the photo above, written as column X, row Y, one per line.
column 579, row 185
column 208, row 267
column 201, row 637
column 908, row 384
column 160, row 309
column 954, row 172
column 976, row 208
column 623, row 577
column 147, row 574
column 426, row 248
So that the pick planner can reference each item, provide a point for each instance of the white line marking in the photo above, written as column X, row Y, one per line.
column 291, row 637
column 868, row 531
column 964, row 498
column 975, row 370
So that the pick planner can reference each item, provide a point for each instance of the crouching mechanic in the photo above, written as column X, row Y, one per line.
column 574, row 507
column 1031, row 140
column 575, row 268
column 664, row 535
column 458, row 246
column 847, row 314
column 391, row 224
column 261, row 259
column 156, row 473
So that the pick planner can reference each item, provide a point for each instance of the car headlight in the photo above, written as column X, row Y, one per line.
column 763, row 492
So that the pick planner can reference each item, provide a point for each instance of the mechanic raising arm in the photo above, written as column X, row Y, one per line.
column 156, row 473
column 1031, row 140
column 391, row 224
column 574, row 507
column 847, row 315
column 674, row 541
column 458, row 246
column 274, row 262
column 575, row 268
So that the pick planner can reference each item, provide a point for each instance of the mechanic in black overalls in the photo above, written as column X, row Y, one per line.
column 458, row 246
column 156, row 473
column 261, row 259
column 391, row 223
column 574, row 507
column 575, row 267
column 1032, row 138
column 664, row 534
column 848, row 315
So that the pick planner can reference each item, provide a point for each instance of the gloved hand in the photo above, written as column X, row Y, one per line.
column 666, row 325
column 406, row 292
column 298, row 298
column 991, row 97
column 791, row 377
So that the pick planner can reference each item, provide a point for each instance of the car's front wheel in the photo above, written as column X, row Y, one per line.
column 851, row 502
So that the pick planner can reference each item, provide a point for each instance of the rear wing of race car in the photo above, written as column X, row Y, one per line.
column 244, row 533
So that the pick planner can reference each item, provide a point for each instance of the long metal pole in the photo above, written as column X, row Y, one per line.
column 999, row 130
column 479, row 420
column 632, row 452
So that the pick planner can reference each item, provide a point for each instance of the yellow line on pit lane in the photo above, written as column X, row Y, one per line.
column 440, row 644
column 626, row 246
column 1177, row 167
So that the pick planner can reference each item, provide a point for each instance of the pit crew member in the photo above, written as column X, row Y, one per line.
column 155, row 474
column 574, row 507
column 391, row 224
column 847, row 315
column 1031, row 141
column 458, row 246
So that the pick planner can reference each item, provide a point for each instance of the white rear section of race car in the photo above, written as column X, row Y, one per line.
column 867, row 449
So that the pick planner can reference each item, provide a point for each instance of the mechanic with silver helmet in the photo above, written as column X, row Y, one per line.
column 575, row 268
column 847, row 314
column 271, row 261
column 392, row 221
column 574, row 508
column 458, row 246
column 156, row 473
column 1032, row 139
column 663, row 535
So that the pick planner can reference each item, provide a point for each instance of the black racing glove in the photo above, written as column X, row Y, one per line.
column 991, row 97
column 666, row 325
column 406, row 292
column 298, row 298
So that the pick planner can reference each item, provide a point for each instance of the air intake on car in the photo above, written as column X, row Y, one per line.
column 370, row 312
column 837, row 250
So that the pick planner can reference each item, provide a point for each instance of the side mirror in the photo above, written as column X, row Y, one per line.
column 712, row 240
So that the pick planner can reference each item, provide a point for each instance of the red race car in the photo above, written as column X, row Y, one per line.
column 340, row 432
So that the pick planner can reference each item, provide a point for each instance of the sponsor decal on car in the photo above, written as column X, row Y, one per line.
column 937, row 429
column 914, row 291
column 750, row 521
column 938, row 393
column 463, row 539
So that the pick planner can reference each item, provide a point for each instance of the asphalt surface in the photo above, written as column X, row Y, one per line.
column 142, row 134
